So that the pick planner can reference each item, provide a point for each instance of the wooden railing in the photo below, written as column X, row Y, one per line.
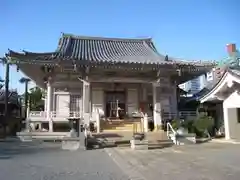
column 72, row 114
column 181, row 114
column 37, row 114
column 42, row 115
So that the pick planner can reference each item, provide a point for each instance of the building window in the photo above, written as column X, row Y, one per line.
column 238, row 115
column 75, row 103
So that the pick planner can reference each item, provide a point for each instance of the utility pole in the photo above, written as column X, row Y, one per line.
column 26, row 97
column 6, row 96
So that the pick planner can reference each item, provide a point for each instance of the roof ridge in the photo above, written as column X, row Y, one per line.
column 104, row 38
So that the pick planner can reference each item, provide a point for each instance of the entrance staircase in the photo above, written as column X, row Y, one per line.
column 119, row 132
column 154, row 140
column 121, row 125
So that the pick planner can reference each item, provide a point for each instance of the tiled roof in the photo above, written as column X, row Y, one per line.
column 12, row 97
column 109, row 49
column 99, row 49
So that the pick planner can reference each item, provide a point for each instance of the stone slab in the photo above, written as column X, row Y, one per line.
column 139, row 145
column 70, row 145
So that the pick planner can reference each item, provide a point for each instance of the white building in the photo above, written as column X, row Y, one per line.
column 195, row 85
column 225, row 94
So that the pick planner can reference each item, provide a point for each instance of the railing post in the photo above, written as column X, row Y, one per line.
column 167, row 130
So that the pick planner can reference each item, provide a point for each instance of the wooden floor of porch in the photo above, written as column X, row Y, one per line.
column 118, row 125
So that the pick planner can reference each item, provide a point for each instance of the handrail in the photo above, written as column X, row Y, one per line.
column 169, row 127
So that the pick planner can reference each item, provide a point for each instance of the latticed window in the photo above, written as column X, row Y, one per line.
column 75, row 103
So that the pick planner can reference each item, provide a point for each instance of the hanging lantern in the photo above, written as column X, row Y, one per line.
column 17, row 69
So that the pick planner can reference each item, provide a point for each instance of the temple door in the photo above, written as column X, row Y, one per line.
column 98, row 101
column 166, row 108
column 132, row 101
column 62, row 105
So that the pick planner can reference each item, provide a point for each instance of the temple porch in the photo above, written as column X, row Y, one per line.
column 118, row 100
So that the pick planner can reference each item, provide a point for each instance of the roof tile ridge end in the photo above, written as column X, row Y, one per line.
column 155, row 53
column 61, row 40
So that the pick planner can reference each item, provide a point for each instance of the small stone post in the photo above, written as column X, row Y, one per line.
column 145, row 122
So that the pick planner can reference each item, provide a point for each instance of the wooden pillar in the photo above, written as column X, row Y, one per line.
column 49, row 105
column 157, row 117
column 174, row 101
column 86, row 101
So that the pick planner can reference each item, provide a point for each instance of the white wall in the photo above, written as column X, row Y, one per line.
column 231, row 104
column 62, row 100
column 234, row 125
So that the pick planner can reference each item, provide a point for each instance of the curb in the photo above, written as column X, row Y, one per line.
column 225, row 141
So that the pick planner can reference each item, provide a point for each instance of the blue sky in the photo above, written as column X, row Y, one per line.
column 187, row 29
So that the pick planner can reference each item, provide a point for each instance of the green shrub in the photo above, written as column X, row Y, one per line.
column 203, row 124
column 175, row 124
column 188, row 124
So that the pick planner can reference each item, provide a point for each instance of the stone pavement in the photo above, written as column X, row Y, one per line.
column 46, row 161
column 208, row 161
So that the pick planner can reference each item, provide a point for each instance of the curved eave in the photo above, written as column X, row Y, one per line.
column 43, row 58
column 26, row 56
column 228, row 75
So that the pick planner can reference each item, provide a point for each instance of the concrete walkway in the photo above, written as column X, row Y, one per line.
column 37, row 161
column 208, row 161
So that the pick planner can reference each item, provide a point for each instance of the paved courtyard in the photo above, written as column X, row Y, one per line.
column 210, row 161
column 37, row 161
column 46, row 161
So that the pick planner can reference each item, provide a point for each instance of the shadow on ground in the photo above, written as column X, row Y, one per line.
column 17, row 148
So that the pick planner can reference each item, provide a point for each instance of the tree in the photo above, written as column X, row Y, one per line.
column 25, row 81
column 7, row 65
column 36, row 99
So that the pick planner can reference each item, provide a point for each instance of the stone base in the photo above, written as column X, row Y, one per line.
column 25, row 138
column 139, row 145
column 186, row 139
column 70, row 145
column 25, row 135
